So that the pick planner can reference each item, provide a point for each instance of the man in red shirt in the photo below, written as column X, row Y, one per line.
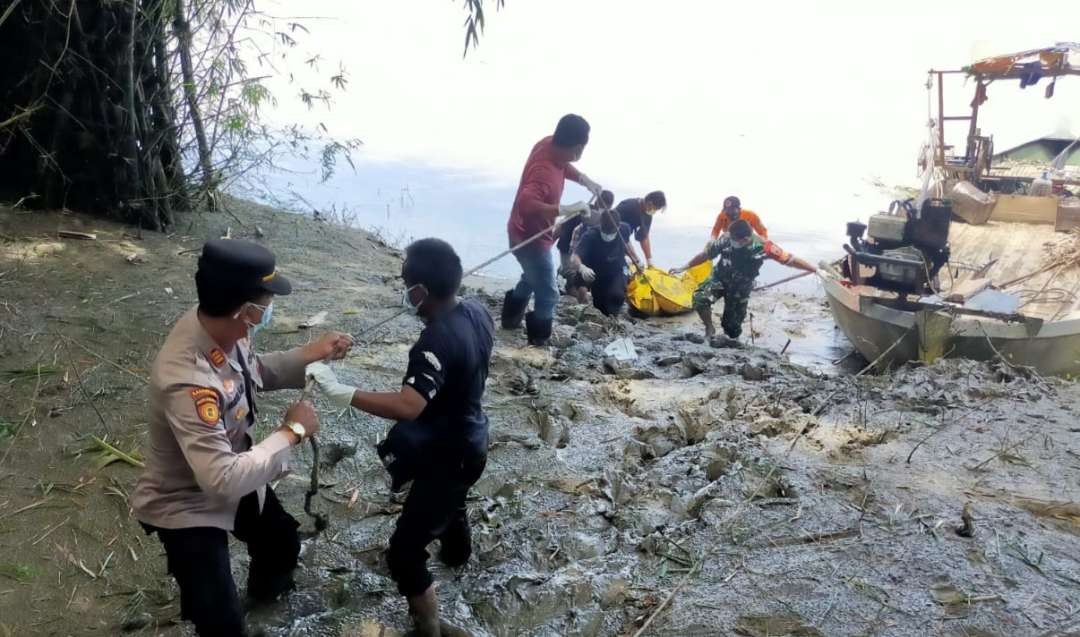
column 536, row 210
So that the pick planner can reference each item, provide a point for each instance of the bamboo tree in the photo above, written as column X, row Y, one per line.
column 141, row 109
column 183, row 36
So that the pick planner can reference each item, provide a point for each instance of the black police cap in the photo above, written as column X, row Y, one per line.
column 243, row 265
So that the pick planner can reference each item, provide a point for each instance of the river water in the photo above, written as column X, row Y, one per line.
column 810, row 119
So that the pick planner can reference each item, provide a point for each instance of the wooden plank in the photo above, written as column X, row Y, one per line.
column 1017, row 250
column 1025, row 209
column 74, row 234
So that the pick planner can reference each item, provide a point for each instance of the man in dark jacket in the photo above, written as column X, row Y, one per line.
column 570, row 232
column 600, row 264
column 440, row 440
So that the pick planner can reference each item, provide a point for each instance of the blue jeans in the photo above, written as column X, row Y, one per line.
column 537, row 277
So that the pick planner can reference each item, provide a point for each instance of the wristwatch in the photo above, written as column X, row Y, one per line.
column 297, row 429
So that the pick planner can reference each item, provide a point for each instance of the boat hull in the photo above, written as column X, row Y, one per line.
column 873, row 328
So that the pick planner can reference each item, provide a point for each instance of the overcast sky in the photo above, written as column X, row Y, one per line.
column 698, row 98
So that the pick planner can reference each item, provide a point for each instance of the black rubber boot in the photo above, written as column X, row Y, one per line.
column 538, row 330
column 263, row 589
column 513, row 310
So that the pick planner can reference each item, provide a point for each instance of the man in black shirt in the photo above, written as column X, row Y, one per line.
column 638, row 214
column 600, row 264
column 440, row 439
column 567, row 230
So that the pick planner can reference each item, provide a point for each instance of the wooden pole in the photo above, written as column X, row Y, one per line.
column 784, row 280
column 941, row 119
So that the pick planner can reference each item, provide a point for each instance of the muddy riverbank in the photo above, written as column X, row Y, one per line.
column 692, row 491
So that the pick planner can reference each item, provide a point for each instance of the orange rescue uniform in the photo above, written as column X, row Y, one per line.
column 749, row 216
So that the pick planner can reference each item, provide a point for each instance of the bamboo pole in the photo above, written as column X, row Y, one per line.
column 182, row 30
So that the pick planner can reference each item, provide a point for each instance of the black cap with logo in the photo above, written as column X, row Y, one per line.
column 241, row 266
column 732, row 203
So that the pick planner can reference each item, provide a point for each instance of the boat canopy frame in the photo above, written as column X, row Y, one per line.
column 1060, row 60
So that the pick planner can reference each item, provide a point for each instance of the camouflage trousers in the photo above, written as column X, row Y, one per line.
column 736, row 299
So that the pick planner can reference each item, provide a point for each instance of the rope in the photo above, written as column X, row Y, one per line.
column 470, row 272
column 320, row 520
column 766, row 286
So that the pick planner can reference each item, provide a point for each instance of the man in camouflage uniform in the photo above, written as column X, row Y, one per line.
column 739, row 255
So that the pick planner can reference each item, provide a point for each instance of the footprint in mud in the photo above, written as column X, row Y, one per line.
column 774, row 626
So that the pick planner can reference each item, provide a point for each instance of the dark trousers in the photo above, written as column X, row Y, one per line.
column 434, row 510
column 736, row 302
column 609, row 292
column 198, row 558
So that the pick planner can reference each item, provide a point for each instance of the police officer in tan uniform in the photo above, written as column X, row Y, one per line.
column 204, row 474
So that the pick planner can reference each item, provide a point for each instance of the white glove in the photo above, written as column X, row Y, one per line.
column 339, row 393
column 321, row 372
column 573, row 209
column 588, row 275
column 590, row 185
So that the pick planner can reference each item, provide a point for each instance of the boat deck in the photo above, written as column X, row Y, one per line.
column 1018, row 249
column 1030, row 171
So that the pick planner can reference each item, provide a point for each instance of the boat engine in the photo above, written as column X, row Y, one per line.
column 904, row 248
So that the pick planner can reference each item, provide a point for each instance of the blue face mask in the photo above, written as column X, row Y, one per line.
column 264, row 320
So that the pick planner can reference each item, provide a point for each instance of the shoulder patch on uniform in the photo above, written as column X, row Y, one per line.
column 434, row 360
column 217, row 357
column 203, row 392
column 206, row 405
column 208, row 411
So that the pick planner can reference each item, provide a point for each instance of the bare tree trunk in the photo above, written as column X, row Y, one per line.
column 133, row 160
column 183, row 36
column 164, row 116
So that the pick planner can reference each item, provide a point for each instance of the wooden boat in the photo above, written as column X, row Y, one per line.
column 1007, row 283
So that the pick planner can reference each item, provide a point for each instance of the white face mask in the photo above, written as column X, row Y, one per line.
column 406, row 301
column 608, row 237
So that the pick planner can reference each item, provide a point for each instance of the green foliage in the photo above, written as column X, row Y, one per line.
column 19, row 572
column 29, row 374
column 474, row 22
column 335, row 150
